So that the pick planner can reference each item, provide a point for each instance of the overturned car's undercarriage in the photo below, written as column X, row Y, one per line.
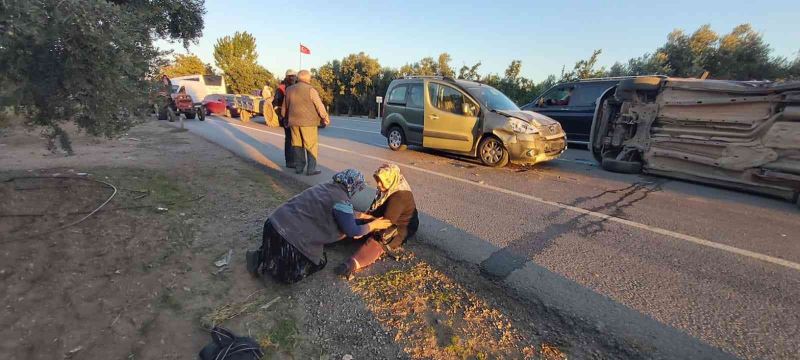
column 743, row 135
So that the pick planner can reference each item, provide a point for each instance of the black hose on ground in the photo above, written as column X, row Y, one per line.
column 62, row 227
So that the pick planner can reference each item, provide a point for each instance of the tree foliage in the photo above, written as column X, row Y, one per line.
column 187, row 65
column 741, row 54
column 88, row 61
column 237, row 57
column 585, row 69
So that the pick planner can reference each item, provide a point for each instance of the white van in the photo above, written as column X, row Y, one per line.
column 199, row 86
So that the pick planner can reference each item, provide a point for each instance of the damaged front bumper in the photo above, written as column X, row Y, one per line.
column 529, row 149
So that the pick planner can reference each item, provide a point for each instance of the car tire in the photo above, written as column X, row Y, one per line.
column 621, row 166
column 162, row 114
column 396, row 139
column 492, row 152
column 228, row 112
column 201, row 115
column 171, row 114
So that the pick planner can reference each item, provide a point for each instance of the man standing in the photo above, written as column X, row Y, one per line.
column 289, row 79
column 305, row 112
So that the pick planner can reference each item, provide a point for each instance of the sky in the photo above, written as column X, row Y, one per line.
column 544, row 35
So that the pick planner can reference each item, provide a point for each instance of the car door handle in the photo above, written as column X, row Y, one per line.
column 434, row 117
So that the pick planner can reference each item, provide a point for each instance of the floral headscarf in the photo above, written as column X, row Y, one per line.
column 393, row 180
column 352, row 180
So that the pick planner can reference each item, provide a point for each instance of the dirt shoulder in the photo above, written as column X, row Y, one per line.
column 138, row 280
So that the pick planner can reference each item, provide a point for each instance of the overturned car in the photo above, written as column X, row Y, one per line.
column 736, row 134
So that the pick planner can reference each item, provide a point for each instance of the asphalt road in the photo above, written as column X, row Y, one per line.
column 681, row 269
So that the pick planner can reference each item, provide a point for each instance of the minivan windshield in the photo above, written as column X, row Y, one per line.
column 493, row 98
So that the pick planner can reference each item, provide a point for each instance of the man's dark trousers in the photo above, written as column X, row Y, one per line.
column 288, row 152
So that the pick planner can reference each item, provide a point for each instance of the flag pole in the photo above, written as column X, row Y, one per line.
column 301, row 57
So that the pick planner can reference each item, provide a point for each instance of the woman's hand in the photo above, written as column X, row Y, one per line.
column 379, row 224
column 363, row 216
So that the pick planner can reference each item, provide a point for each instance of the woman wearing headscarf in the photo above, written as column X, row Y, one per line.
column 393, row 201
column 296, row 232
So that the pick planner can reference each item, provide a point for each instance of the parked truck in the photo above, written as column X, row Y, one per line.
column 736, row 134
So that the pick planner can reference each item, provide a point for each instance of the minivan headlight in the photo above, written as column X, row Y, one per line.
column 522, row 127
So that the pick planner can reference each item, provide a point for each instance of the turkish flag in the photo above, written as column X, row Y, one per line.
column 304, row 50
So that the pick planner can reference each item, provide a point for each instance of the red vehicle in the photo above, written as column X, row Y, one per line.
column 179, row 102
column 221, row 104
column 182, row 104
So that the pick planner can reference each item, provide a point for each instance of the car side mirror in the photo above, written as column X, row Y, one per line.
column 468, row 109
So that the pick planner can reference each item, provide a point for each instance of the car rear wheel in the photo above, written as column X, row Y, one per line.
column 492, row 152
column 396, row 139
column 621, row 166
column 201, row 114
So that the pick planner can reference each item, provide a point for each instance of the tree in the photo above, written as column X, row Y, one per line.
column 469, row 72
column 236, row 55
column 584, row 69
column 743, row 55
column 87, row 61
column 444, row 65
column 187, row 65
column 512, row 72
column 331, row 79
column 358, row 71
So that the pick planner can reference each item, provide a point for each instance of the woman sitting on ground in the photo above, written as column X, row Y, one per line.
column 296, row 232
column 394, row 202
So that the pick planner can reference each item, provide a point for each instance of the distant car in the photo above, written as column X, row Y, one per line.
column 220, row 104
column 468, row 118
column 572, row 104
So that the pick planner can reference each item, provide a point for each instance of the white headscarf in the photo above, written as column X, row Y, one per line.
column 393, row 181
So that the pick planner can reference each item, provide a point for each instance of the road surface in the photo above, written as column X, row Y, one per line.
column 681, row 269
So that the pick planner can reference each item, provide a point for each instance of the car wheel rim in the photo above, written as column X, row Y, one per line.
column 492, row 152
column 394, row 139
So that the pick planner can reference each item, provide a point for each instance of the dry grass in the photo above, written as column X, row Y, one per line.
column 434, row 317
column 226, row 312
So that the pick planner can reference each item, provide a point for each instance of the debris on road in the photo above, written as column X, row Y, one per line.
column 72, row 352
column 225, row 260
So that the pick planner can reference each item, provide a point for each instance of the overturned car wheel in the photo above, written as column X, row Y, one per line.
column 621, row 166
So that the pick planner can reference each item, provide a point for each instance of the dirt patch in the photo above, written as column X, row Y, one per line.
column 137, row 280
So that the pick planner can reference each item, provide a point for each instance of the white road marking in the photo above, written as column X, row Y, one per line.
column 653, row 229
column 351, row 129
column 376, row 122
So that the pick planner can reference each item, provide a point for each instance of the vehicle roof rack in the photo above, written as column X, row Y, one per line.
column 437, row 77
column 617, row 77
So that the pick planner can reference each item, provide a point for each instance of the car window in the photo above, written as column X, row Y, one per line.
column 447, row 98
column 398, row 95
column 586, row 95
column 212, row 80
column 415, row 96
column 493, row 98
column 558, row 96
